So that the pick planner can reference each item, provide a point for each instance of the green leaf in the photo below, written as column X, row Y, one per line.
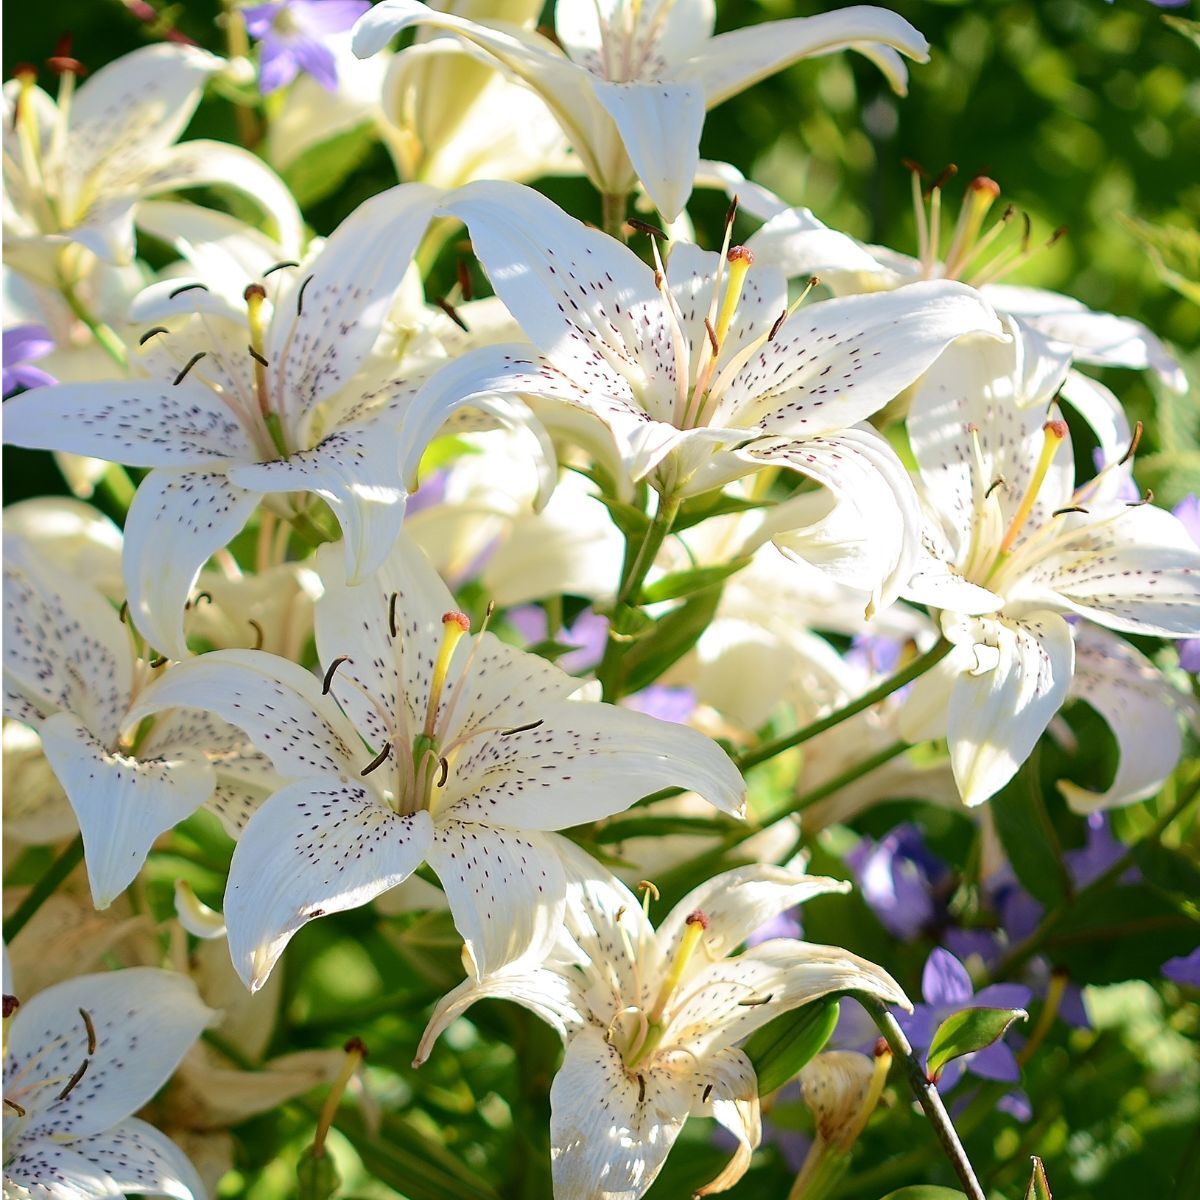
column 322, row 169
column 316, row 1176
column 784, row 1045
column 636, row 827
column 1039, row 1186
column 629, row 519
column 713, row 504
column 925, row 1191
column 1028, row 839
column 1174, row 251
column 667, row 640
column 967, row 1031
column 1166, row 868
column 1186, row 26
column 684, row 583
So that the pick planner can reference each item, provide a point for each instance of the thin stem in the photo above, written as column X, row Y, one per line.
column 914, row 670
column 614, row 207
column 847, row 777
column 45, row 887
column 105, row 337
column 237, row 45
column 927, row 1095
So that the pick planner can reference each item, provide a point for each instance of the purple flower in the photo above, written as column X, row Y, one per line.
column 875, row 653
column 783, row 925
column 897, row 877
column 1184, row 969
column 588, row 635
column 23, row 344
column 946, row 988
column 1188, row 511
column 664, row 702
column 292, row 36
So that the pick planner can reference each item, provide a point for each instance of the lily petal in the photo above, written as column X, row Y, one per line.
column 177, row 521
column 313, row 848
column 141, row 1161
column 730, row 1086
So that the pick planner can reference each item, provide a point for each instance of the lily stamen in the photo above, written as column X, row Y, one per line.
column 693, row 933
column 1053, row 434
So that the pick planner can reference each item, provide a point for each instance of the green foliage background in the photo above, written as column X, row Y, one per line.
column 1082, row 111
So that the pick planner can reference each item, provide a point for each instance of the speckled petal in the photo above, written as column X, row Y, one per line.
column 506, row 890
column 142, row 1162
column 313, row 848
column 122, row 804
column 144, row 1019
column 177, row 521
column 46, row 1171
column 728, row 1092
column 610, row 1133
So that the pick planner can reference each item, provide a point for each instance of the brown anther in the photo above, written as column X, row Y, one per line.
column 123, row 614
column 254, row 291
column 1148, row 498
column 91, row 1029
column 740, row 254
column 444, row 773
column 487, row 612
column 355, row 1045
column 392, row 601
column 186, row 287
column 880, row 1048
column 280, row 266
column 160, row 661
column 327, row 682
column 452, row 313
column 756, row 1001
column 191, row 362
column 948, row 173
column 522, row 728
column 981, row 183
column 11, row 1004
column 641, row 1088
column 1027, row 232
column 73, row 1082
column 644, row 885
column 1057, row 235
column 911, row 164
column 648, row 229
column 14, row 1106
column 459, row 619
column 708, row 1090
column 972, row 427
column 152, row 333
column 779, row 320
column 731, row 212
column 1008, row 214
column 259, row 636
column 300, row 296
column 697, row 918
column 1070, row 508
column 658, row 280
column 378, row 760
column 999, row 481
column 1134, row 442
column 463, row 271
column 258, row 358
column 712, row 336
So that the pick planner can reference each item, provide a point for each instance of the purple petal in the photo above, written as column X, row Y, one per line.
column 317, row 60
column 966, row 944
column 1099, row 852
column 784, row 925
column 1184, row 969
column 952, row 1072
column 430, row 494
column 1020, row 913
column 1016, row 1104
column 529, row 620
column 920, row 1025
column 23, row 343
column 945, row 982
column 674, row 704
column 328, row 16
column 1189, row 655
column 1003, row 995
column 1188, row 511
column 260, row 18
column 277, row 66
column 875, row 653
column 994, row 1062
column 23, row 376
column 589, row 634
column 1072, row 1010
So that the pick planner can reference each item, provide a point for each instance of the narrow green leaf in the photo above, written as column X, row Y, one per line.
column 783, row 1046
column 316, row 1176
column 1039, row 1186
column 714, row 504
column 635, row 827
column 684, row 583
column 967, row 1031
column 322, row 169
column 631, row 521
column 668, row 640
column 925, row 1191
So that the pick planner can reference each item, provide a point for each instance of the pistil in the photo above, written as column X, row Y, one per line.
column 255, row 295
column 1053, row 433
column 693, row 933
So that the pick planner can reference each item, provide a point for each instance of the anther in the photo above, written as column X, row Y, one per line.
column 464, row 279
column 259, row 636
column 258, row 358
column 648, row 229
column 152, row 333
column 279, row 266
column 1057, row 235
column 1070, row 508
column 327, row 683
column 522, row 728
column 73, row 1082
column 452, row 313
column 641, row 1088
column 378, row 760
column 186, row 287
column 123, row 613
column 911, row 164
column 731, row 212
column 708, row 1091
column 444, row 772
column 757, row 1001
column 779, row 320
column 160, row 661
column 61, row 62
column 14, row 1106
column 644, row 885
column 191, row 362
column 1148, row 498
column 395, row 596
column 91, row 1030
column 300, row 297
column 880, row 1048
column 712, row 336
column 1134, row 442
column 999, row 481
column 11, row 1004
column 948, row 173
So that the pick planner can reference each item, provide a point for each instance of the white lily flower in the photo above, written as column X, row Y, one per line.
column 652, row 1019
column 703, row 374
column 81, row 1058
column 472, row 750
column 71, row 673
column 632, row 82
column 801, row 246
column 258, row 400
column 75, row 170
column 1010, row 545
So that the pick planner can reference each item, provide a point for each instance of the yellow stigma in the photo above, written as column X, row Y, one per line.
column 1053, row 433
column 740, row 261
column 693, row 932
column 454, row 625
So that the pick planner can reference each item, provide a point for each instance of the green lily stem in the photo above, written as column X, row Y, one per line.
column 45, row 887
column 847, row 777
column 926, row 1094
column 633, row 574
column 1025, row 950
column 237, row 46
column 613, row 207
column 914, row 670
column 106, row 338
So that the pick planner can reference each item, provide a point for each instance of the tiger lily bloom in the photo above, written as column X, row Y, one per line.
column 653, row 1019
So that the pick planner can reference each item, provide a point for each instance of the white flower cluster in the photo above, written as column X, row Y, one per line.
column 713, row 459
